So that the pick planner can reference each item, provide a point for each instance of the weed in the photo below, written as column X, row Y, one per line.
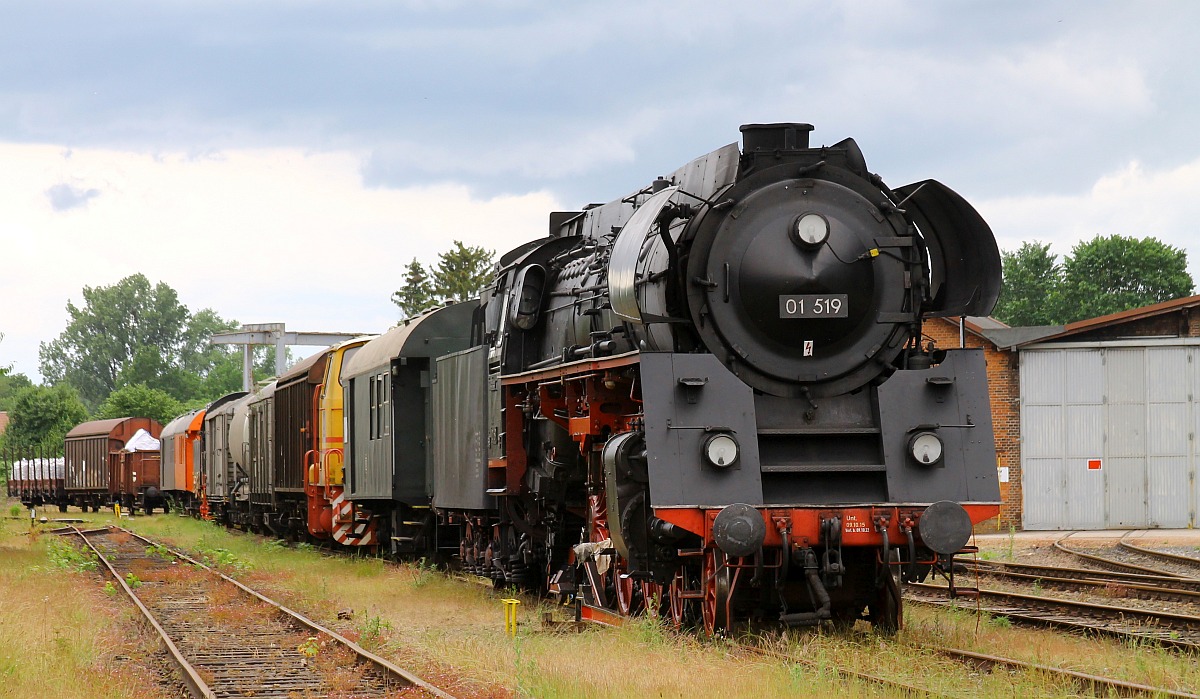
column 1012, row 540
column 133, row 581
column 15, row 511
column 987, row 555
column 1000, row 622
column 309, row 648
column 1037, row 588
column 67, row 556
column 110, row 589
column 221, row 557
column 373, row 631
column 305, row 546
column 526, row 669
column 161, row 551
column 274, row 544
column 426, row 572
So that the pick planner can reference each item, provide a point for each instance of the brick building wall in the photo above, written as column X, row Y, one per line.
column 1004, row 387
column 3, row 421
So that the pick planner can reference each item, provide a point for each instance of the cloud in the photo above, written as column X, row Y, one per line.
column 64, row 197
column 1133, row 201
column 259, row 235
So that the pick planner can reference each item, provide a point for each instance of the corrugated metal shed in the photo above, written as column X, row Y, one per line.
column 1108, row 434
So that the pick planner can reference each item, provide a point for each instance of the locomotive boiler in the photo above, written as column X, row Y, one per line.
column 712, row 399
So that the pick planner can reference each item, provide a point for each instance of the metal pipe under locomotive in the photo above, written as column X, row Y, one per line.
column 711, row 397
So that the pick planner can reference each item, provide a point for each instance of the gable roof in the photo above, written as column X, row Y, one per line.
column 1012, row 338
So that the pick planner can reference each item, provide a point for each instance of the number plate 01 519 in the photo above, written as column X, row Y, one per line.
column 814, row 306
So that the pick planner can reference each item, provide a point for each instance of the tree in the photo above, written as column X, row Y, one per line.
column 42, row 415
column 417, row 294
column 1101, row 276
column 1115, row 273
column 134, row 333
column 102, row 338
column 1031, row 278
column 10, row 386
column 139, row 400
column 460, row 274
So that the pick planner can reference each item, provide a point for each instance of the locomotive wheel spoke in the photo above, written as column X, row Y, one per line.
column 622, row 587
column 715, row 603
column 676, row 604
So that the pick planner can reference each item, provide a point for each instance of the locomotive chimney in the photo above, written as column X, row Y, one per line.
column 774, row 137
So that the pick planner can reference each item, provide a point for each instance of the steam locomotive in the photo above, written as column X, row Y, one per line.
column 714, row 392
column 709, row 400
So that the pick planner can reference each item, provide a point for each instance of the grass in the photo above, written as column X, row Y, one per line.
column 60, row 634
column 452, row 632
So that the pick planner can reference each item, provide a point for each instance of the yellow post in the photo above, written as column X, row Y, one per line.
column 510, row 616
column 117, row 510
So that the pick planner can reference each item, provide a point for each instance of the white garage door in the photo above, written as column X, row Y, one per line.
column 1108, row 436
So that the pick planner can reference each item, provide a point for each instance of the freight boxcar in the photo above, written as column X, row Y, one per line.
column 260, row 459
column 86, row 457
column 135, row 474
column 295, row 394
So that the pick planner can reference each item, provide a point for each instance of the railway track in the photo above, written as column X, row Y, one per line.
column 231, row 641
column 1174, row 562
column 1096, row 684
column 1066, row 573
column 1142, row 587
column 1102, row 686
column 1127, row 557
column 1174, row 630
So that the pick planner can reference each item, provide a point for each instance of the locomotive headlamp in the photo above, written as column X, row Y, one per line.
column 926, row 448
column 810, row 231
column 721, row 450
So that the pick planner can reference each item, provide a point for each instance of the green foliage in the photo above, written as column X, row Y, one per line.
column 133, row 581
column 109, row 588
column 1031, row 277
column 1101, row 276
column 64, row 555
column 417, row 294
column 139, row 400
column 1116, row 273
column 160, row 551
column 15, row 511
column 134, row 333
column 309, row 648
column 220, row 557
column 42, row 415
column 373, row 632
column 460, row 274
column 10, row 385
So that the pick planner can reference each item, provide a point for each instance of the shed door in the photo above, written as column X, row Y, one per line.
column 1128, row 411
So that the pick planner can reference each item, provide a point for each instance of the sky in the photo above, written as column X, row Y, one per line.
column 283, row 160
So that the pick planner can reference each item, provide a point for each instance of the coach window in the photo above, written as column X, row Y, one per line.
column 384, row 414
column 371, row 403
